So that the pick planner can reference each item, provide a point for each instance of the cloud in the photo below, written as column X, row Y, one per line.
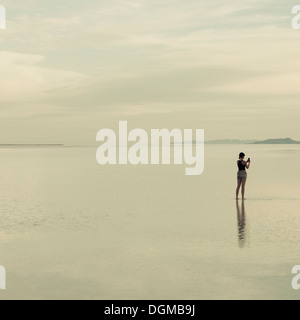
column 278, row 84
column 23, row 80
column 171, row 60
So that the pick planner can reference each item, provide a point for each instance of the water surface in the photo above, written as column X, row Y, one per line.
column 71, row 229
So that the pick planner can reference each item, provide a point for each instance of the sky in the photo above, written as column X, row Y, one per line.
column 71, row 68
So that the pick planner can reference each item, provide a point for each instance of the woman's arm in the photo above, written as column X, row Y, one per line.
column 247, row 164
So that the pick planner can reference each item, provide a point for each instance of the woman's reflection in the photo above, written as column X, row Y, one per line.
column 242, row 223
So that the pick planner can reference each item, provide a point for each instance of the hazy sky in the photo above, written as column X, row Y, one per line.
column 69, row 68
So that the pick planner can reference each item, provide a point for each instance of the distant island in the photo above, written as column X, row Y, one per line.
column 278, row 141
column 269, row 141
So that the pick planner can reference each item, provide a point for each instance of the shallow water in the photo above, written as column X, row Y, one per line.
column 71, row 229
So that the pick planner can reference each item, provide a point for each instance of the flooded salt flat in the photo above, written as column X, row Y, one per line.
column 71, row 229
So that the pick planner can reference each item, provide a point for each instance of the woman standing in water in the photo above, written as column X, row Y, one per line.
column 242, row 175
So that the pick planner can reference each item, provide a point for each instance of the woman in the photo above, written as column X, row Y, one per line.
column 242, row 174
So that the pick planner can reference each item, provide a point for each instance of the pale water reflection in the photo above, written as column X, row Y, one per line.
column 242, row 223
column 71, row 229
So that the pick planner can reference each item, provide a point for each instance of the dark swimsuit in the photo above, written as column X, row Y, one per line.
column 241, row 166
column 242, row 173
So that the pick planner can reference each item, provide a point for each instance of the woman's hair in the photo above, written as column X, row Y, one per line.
column 242, row 155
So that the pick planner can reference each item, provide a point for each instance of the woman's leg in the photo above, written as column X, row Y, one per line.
column 239, row 183
column 244, row 187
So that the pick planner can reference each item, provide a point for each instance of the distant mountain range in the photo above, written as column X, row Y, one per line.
column 278, row 141
column 224, row 141
column 269, row 141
